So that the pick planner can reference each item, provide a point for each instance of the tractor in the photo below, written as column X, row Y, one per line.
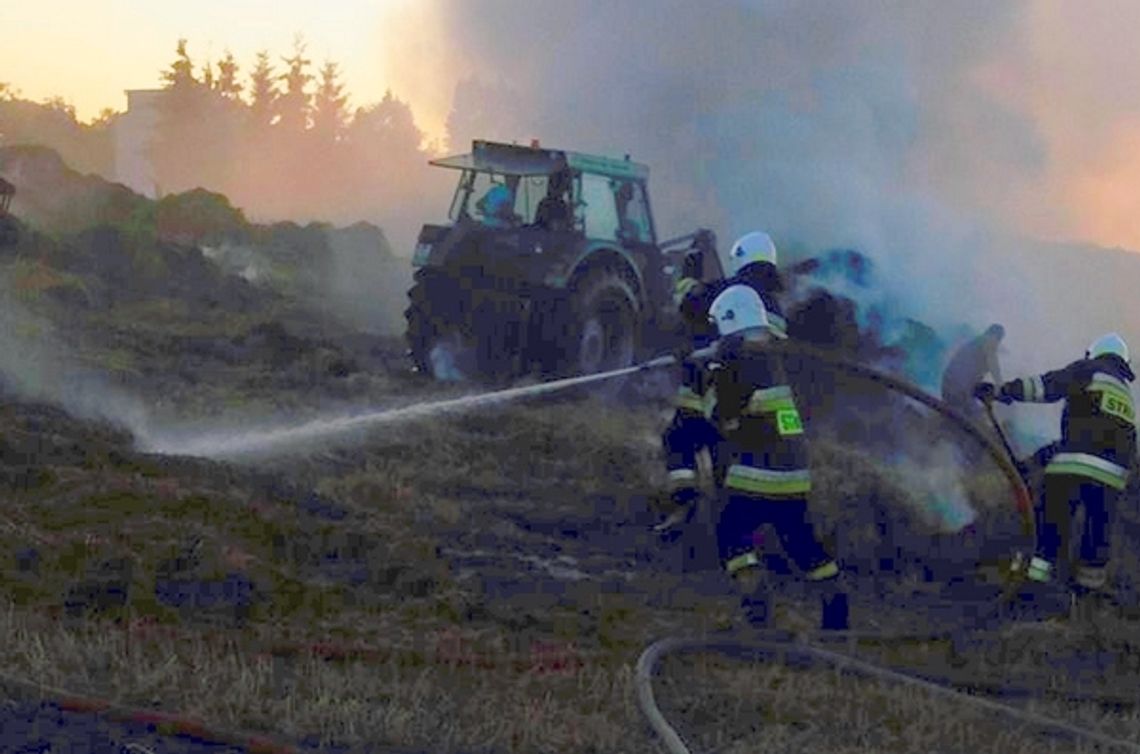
column 9, row 231
column 550, row 267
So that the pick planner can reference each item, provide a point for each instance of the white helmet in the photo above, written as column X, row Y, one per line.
column 750, row 248
column 738, row 308
column 1110, row 343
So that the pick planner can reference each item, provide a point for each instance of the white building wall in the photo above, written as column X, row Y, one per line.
column 133, row 133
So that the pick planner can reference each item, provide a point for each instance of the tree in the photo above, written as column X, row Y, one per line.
column 295, row 102
column 208, row 75
column 227, row 84
column 105, row 118
column 59, row 104
column 262, row 92
column 330, row 105
column 180, row 75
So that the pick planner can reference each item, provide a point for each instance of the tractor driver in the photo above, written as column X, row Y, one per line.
column 553, row 212
column 497, row 206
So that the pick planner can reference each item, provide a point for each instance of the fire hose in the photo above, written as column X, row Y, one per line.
column 803, row 651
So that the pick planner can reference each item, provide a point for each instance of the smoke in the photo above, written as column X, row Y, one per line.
column 946, row 142
column 828, row 125
column 934, row 475
column 33, row 368
column 351, row 272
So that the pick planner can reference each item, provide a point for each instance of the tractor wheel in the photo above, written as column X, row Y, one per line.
column 436, row 344
column 603, row 333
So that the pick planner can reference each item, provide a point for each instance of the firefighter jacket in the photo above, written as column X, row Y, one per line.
column 764, row 447
column 1098, row 424
column 693, row 427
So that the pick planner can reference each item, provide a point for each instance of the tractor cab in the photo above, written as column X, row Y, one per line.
column 510, row 186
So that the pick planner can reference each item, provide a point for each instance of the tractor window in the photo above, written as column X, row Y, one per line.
column 597, row 210
column 633, row 212
column 489, row 198
column 532, row 189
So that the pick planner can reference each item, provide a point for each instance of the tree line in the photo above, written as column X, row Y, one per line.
column 280, row 140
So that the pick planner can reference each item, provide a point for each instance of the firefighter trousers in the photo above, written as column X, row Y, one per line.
column 1064, row 494
column 743, row 514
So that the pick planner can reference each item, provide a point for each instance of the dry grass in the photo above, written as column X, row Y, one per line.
column 723, row 706
column 466, row 674
column 429, row 695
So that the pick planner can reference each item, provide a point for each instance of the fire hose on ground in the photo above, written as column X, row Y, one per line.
column 803, row 650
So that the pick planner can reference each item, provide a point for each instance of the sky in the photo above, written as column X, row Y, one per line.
column 89, row 51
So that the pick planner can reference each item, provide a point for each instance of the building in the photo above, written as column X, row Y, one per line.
column 134, row 130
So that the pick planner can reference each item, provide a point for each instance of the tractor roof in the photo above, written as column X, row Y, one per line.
column 489, row 156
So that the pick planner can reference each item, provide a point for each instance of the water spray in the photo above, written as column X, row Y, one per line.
column 229, row 445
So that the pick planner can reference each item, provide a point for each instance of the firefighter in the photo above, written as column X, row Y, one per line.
column 765, row 454
column 969, row 365
column 752, row 261
column 1093, row 460
column 690, row 430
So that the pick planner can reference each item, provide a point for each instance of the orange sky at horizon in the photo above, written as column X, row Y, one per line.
column 1072, row 76
column 93, row 74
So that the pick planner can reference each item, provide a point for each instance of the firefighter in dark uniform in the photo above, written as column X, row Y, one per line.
column 752, row 261
column 765, row 455
column 1093, row 459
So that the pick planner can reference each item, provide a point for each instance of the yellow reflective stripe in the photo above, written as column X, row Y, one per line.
column 682, row 478
column 828, row 570
column 710, row 402
column 740, row 562
column 1033, row 388
column 688, row 399
column 682, row 287
column 767, row 481
column 1089, row 466
column 770, row 400
column 1105, row 380
column 1039, row 569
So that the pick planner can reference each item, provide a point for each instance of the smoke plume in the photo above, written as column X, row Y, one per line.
column 35, row 366
column 925, row 136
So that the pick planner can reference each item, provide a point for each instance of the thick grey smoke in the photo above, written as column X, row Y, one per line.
column 871, row 125
column 827, row 124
